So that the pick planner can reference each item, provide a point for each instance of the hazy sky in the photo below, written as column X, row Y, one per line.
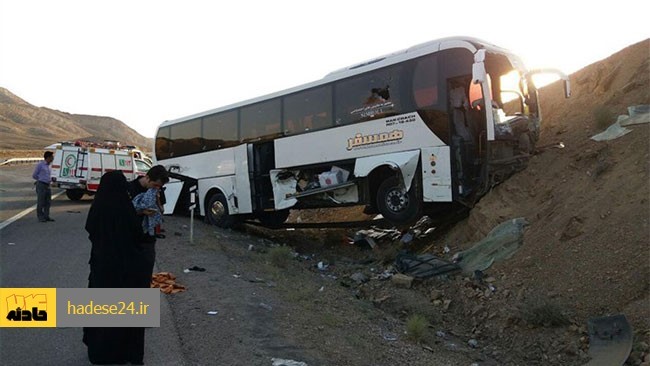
column 146, row 61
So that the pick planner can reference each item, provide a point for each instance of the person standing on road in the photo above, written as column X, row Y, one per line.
column 118, row 259
column 42, row 175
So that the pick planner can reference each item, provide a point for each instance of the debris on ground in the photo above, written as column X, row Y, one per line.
column 402, row 280
column 359, row 278
column 612, row 132
column 391, row 337
column 283, row 362
column 374, row 233
column 423, row 265
column 194, row 269
column 501, row 243
column 370, row 237
column 638, row 114
column 610, row 340
column 166, row 282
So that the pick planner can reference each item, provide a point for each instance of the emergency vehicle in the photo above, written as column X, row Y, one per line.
column 78, row 169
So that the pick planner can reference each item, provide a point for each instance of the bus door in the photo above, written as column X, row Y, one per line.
column 261, row 158
column 465, row 131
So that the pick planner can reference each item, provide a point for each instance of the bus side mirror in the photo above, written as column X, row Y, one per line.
column 478, row 73
column 478, row 67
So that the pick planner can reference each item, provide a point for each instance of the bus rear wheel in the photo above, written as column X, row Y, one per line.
column 273, row 219
column 74, row 194
column 217, row 212
column 396, row 204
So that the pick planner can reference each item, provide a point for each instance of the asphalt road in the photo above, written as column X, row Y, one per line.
column 55, row 255
column 16, row 190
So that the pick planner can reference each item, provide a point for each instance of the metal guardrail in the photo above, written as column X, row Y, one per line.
column 20, row 161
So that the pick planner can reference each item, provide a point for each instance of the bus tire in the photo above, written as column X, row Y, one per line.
column 395, row 204
column 74, row 194
column 273, row 219
column 217, row 212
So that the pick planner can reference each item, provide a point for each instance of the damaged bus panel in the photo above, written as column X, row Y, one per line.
column 417, row 131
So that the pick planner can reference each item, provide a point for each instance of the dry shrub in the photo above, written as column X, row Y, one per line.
column 543, row 313
column 416, row 327
column 280, row 256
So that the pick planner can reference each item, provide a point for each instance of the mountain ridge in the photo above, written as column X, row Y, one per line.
column 25, row 126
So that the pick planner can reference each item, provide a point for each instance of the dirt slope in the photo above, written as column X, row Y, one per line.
column 587, row 204
column 587, row 248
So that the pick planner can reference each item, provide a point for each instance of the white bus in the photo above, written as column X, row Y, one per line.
column 417, row 131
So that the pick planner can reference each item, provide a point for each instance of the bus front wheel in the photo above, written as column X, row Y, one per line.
column 396, row 204
column 217, row 212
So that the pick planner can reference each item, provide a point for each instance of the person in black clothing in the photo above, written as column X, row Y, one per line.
column 118, row 259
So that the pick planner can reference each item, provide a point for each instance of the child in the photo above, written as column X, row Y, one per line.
column 147, row 202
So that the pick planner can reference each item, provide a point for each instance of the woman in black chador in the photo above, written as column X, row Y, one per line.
column 117, row 260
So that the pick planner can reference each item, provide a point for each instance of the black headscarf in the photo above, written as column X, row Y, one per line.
column 113, row 229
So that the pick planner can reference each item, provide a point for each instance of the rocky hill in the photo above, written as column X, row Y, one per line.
column 25, row 126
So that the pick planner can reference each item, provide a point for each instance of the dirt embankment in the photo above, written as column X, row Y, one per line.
column 586, row 249
column 588, row 203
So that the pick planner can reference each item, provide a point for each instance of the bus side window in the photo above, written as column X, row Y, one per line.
column 290, row 126
column 272, row 129
column 260, row 120
column 367, row 96
column 163, row 143
column 425, row 82
column 308, row 110
column 186, row 138
column 321, row 120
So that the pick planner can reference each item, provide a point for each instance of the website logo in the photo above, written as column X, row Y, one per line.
column 28, row 307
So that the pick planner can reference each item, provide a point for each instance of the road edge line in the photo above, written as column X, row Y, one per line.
column 19, row 215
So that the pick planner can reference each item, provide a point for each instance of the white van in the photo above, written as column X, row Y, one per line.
column 78, row 169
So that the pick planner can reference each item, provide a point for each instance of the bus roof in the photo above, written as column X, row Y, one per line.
column 469, row 43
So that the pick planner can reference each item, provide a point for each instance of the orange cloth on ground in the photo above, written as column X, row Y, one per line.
column 166, row 282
